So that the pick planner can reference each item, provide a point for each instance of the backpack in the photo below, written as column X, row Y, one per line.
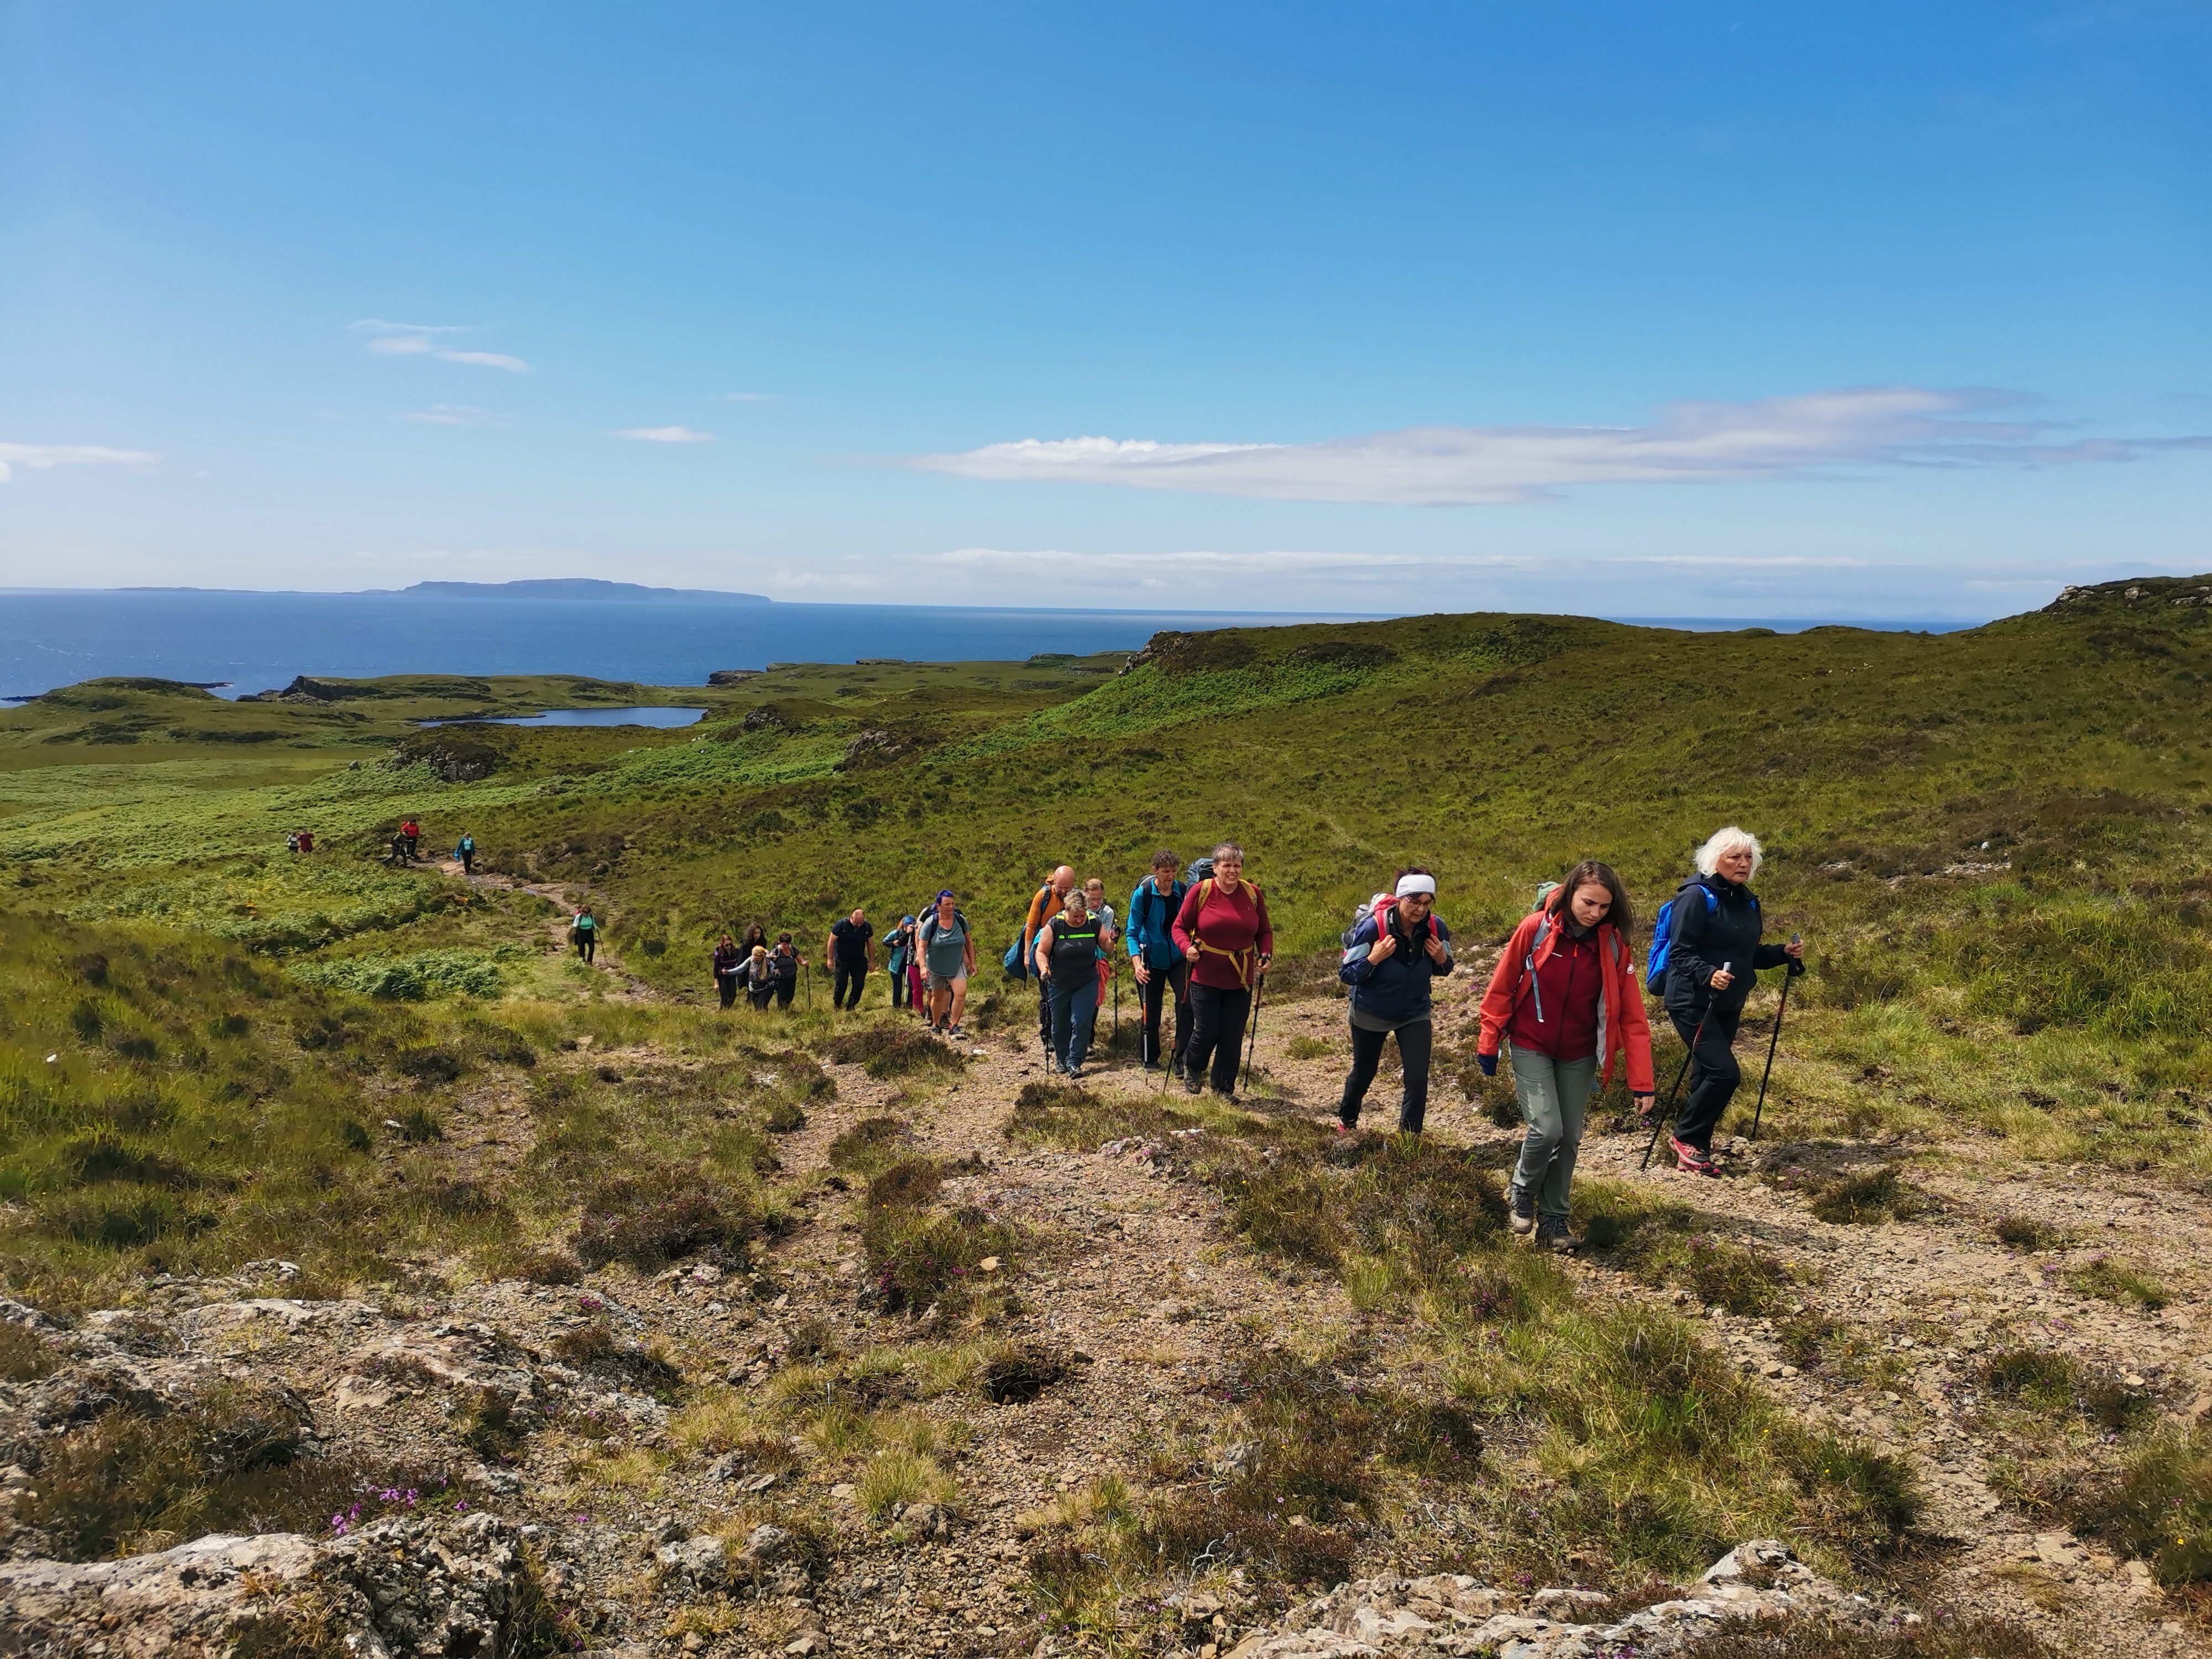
column 1016, row 961
column 925, row 930
column 1655, row 980
column 1171, row 903
column 468, row 844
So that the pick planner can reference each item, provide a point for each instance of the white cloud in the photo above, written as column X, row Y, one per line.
column 458, row 415
column 749, row 397
column 664, row 434
column 1459, row 466
column 389, row 339
column 43, row 456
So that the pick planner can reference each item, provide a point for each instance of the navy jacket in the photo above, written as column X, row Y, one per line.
column 1700, row 939
column 1396, row 988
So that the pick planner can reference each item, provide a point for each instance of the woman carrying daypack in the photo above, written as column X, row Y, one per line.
column 783, row 971
column 1161, row 971
column 1713, row 959
column 1395, row 951
column 727, row 959
column 585, row 931
column 1066, row 960
column 1565, row 995
column 759, row 975
column 465, row 849
column 1224, row 933
column 948, row 947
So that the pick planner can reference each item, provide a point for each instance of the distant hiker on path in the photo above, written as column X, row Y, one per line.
column 783, row 971
column 465, row 849
column 1067, row 962
column 1050, row 900
column 1713, row 959
column 306, row 841
column 899, row 942
column 1565, row 995
column 948, row 946
column 412, row 833
column 583, row 932
column 727, row 959
column 1162, row 973
column 396, row 854
column 850, row 953
column 1395, row 951
column 1224, row 935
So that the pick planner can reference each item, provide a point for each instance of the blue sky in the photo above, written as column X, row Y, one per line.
column 1699, row 309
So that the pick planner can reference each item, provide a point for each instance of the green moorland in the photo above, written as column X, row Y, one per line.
column 213, row 1052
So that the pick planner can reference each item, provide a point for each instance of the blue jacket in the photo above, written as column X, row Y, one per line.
column 1396, row 988
column 1150, row 924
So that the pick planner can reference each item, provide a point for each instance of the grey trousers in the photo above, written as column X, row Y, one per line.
column 1552, row 1093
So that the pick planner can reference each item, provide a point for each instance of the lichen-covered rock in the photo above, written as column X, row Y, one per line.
column 403, row 1588
column 1448, row 1613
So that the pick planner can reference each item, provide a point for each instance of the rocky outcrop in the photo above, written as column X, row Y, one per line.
column 395, row 1589
column 1448, row 1613
column 731, row 676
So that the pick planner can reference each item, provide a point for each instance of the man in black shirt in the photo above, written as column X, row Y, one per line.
column 851, row 956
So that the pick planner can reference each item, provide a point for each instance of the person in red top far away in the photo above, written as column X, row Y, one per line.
column 412, row 833
column 1565, row 996
column 1223, row 932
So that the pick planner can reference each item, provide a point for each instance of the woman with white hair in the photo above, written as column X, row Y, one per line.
column 1713, row 959
column 1393, row 954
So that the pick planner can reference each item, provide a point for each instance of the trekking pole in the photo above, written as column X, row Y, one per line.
column 1666, row 1113
column 1781, row 1008
column 1252, row 1043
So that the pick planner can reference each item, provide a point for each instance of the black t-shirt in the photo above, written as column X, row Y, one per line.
column 852, row 939
column 1072, row 949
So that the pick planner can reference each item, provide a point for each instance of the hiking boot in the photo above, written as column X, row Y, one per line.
column 1075, row 1073
column 1193, row 1085
column 1691, row 1161
column 1554, row 1234
column 954, row 1032
column 1523, row 1219
column 1346, row 1128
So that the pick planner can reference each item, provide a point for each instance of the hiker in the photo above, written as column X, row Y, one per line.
column 727, row 959
column 783, row 971
column 306, row 841
column 584, row 933
column 758, row 972
column 1223, row 932
column 1713, row 959
column 1066, row 961
column 396, row 854
column 465, row 849
column 411, row 832
column 1049, row 901
column 850, row 953
column 948, row 949
column 899, row 944
column 1395, row 951
column 1094, row 900
column 1159, row 967
column 755, row 934
column 1565, row 995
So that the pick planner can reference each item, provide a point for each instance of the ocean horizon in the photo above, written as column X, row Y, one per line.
column 253, row 640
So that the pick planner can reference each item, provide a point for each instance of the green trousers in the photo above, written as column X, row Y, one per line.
column 1552, row 1093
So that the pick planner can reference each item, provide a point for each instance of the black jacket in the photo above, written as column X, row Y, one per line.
column 1701, row 938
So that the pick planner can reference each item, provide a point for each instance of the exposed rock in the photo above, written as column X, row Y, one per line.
column 872, row 749
column 394, row 1590
column 1449, row 1614
column 731, row 676
column 696, row 1564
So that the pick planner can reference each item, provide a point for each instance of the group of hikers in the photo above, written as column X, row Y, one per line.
column 405, row 847
column 1564, row 1003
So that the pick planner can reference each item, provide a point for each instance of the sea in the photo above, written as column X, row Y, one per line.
column 237, row 643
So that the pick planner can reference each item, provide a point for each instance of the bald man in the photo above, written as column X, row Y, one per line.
column 1050, row 900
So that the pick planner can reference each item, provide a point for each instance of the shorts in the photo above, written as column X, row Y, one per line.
column 943, row 981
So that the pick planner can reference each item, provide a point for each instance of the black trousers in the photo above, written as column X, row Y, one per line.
column 468, row 864
column 898, row 987
column 1217, row 1033
column 728, row 985
column 785, row 990
column 1415, row 1043
column 585, row 943
column 854, row 974
column 1714, row 1073
column 1164, row 979
column 759, row 994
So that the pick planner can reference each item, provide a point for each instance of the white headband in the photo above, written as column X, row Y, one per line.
column 1416, row 885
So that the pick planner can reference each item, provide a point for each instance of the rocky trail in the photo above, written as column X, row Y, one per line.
column 593, row 1497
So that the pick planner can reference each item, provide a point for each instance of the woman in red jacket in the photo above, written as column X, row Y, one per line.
column 1223, row 930
column 1565, row 994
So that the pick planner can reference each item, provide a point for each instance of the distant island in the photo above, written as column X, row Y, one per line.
column 576, row 587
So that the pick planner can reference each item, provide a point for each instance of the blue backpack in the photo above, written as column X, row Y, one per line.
column 1654, row 981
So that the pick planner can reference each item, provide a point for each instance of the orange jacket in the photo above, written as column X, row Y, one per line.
column 1620, row 1020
